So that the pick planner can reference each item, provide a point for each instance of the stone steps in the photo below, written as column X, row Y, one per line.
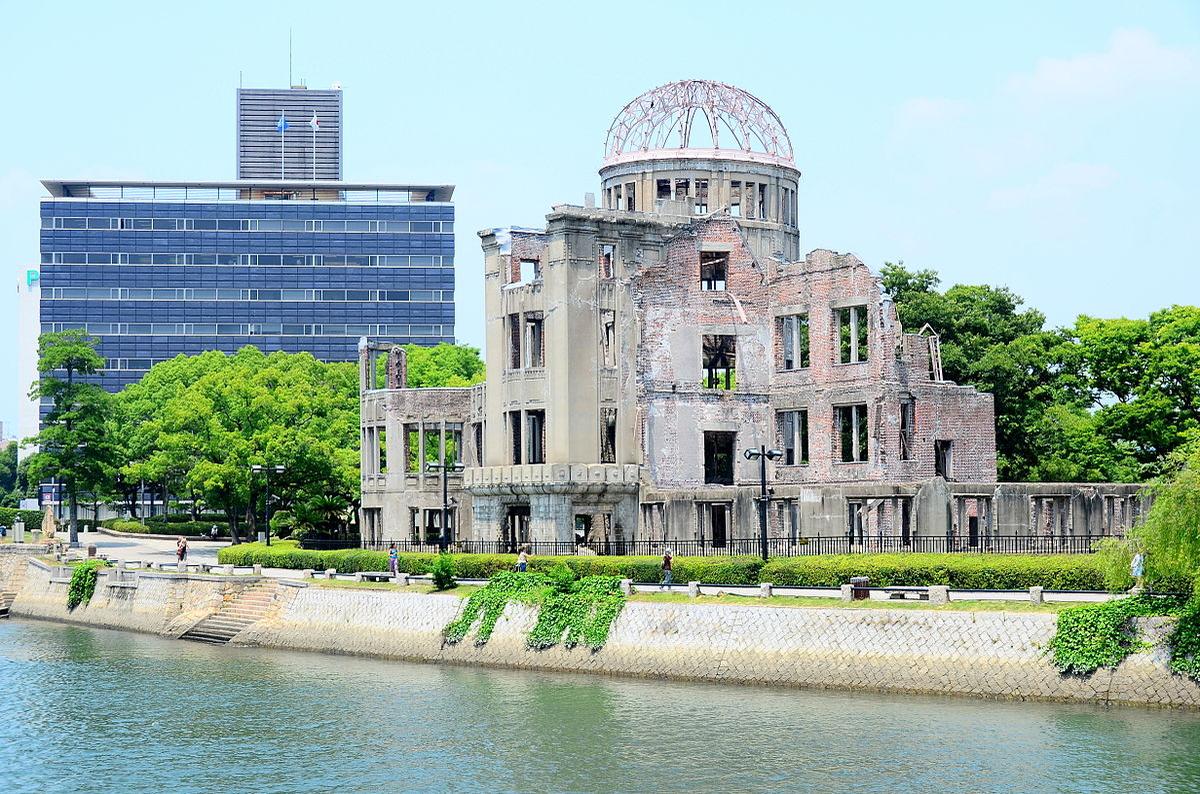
column 6, row 600
column 247, row 608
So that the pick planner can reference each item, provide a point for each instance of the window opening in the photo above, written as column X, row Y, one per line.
column 534, row 340
column 663, row 188
column 536, row 436
column 714, row 269
column 943, row 458
column 608, row 260
column 381, row 434
column 514, row 341
column 682, row 189
column 719, row 364
column 514, row 429
column 718, row 457
column 851, row 427
column 701, row 206
column 412, row 448
column 793, row 431
column 908, row 427
column 608, row 435
column 608, row 337
column 631, row 196
column 852, row 334
column 795, row 341
column 854, row 525
column 531, row 270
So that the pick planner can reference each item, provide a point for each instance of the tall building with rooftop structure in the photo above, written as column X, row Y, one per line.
column 309, row 148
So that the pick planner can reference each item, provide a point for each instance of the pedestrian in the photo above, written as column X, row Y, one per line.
column 1137, row 569
column 393, row 560
column 181, row 549
column 212, row 533
column 523, row 560
column 666, row 569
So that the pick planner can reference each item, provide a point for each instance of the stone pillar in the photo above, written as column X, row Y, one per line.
column 18, row 531
column 329, row 572
column 693, row 589
column 227, row 570
column 257, row 569
column 401, row 579
column 551, row 519
column 939, row 594
column 397, row 367
column 307, row 573
column 932, row 508
column 847, row 592
column 627, row 587
column 1035, row 595
column 764, row 589
column 487, row 518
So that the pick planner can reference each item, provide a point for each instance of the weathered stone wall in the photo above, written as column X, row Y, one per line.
column 991, row 654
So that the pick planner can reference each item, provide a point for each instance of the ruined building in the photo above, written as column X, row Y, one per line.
column 637, row 349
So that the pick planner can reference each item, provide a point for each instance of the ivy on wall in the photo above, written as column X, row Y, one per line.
column 1102, row 635
column 570, row 611
column 83, row 583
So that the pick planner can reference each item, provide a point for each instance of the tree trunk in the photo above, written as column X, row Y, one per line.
column 233, row 526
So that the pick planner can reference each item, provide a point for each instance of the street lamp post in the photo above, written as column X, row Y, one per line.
column 762, row 455
column 266, row 470
column 444, row 537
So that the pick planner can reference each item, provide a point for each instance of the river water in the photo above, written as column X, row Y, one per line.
column 91, row 710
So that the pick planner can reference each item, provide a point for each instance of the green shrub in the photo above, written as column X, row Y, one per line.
column 9, row 516
column 962, row 571
column 83, row 583
column 443, row 572
column 1102, row 635
column 283, row 523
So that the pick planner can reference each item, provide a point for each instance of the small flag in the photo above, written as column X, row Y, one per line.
column 282, row 125
column 314, row 123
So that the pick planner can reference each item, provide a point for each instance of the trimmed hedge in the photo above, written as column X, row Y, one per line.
column 9, row 515
column 965, row 571
column 151, row 527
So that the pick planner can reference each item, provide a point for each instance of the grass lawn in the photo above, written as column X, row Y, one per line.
column 681, row 597
column 463, row 590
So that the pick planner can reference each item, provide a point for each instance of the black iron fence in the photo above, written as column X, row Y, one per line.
column 776, row 547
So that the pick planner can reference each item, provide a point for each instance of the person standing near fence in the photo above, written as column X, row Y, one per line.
column 393, row 560
column 1137, row 569
column 666, row 570
column 523, row 560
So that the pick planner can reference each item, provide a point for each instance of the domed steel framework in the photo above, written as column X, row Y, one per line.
column 668, row 117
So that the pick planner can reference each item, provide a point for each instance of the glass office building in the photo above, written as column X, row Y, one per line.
column 155, row 269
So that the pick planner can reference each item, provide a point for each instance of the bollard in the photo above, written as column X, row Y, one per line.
column 1035, row 595
column 939, row 594
column 18, row 531
column 330, row 573
column 181, row 567
column 91, row 550
column 358, row 577
column 626, row 586
column 227, row 570
column 307, row 573
column 257, row 569
column 693, row 589
column 764, row 589
column 847, row 592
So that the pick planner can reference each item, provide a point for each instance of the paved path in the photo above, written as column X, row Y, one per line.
column 150, row 549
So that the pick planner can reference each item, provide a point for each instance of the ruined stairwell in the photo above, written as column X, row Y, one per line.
column 244, row 609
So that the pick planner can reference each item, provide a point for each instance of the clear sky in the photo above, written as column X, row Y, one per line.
column 1050, row 147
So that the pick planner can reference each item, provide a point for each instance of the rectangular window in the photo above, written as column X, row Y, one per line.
column 762, row 201
column 663, row 188
column 682, row 188
column 631, row 196
column 850, row 424
column 794, row 331
column 793, row 436
column 854, row 520
column 534, row 341
column 382, row 451
column 412, row 448
column 608, row 337
column 718, row 457
column 908, row 428
column 514, row 341
column 530, row 270
column 536, row 436
column 735, row 198
column 477, row 435
column 701, row 206
column 608, row 435
column 514, row 429
column 852, row 334
column 714, row 266
column 714, row 522
column 454, row 442
column 943, row 459
column 608, row 260
column 719, row 361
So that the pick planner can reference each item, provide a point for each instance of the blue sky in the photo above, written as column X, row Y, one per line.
column 1049, row 147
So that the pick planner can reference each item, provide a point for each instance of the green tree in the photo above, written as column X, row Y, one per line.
column 73, row 443
column 440, row 365
column 9, row 493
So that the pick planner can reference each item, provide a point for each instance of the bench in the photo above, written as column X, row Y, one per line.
column 906, row 593
column 373, row 576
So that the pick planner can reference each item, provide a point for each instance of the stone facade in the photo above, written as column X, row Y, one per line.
column 636, row 351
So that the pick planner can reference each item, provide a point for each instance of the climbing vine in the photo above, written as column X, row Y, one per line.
column 1102, row 635
column 83, row 583
column 1185, row 640
column 570, row 611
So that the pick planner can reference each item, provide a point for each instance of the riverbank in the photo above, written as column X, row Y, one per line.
column 992, row 653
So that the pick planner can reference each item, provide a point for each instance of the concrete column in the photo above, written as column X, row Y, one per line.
column 1035, row 595
column 550, row 518
column 764, row 589
column 257, row 570
column 330, row 573
column 693, row 589
column 307, row 573
column 847, row 592
column 627, row 586
column 939, row 594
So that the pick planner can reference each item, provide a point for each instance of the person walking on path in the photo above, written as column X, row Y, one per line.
column 181, row 549
column 393, row 561
column 523, row 560
column 1137, row 569
column 666, row 569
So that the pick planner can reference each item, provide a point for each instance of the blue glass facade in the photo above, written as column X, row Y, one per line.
column 154, row 278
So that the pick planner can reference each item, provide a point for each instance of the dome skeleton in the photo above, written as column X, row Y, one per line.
column 652, row 120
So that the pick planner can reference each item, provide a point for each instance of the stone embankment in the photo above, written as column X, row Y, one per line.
column 987, row 654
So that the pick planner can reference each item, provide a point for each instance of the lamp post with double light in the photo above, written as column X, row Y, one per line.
column 762, row 455
column 445, row 469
